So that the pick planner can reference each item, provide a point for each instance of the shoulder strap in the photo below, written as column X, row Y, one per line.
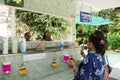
column 107, row 59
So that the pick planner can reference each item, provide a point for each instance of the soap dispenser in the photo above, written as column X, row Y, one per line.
column 5, row 45
column 61, row 44
column 23, row 45
column 23, row 70
column 14, row 45
column 54, row 63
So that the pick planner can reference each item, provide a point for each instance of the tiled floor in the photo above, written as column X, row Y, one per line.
column 111, row 78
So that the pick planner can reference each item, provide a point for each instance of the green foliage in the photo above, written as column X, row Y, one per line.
column 39, row 23
column 21, row 29
column 114, row 41
column 114, row 15
column 113, row 30
column 83, row 32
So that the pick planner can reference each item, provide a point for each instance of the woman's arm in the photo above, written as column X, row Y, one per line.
column 81, row 51
column 83, row 54
column 73, row 65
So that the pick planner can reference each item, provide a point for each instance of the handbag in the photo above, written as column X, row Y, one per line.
column 108, row 69
column 108, row 66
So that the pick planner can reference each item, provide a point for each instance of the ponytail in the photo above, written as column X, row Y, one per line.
column 99, row 42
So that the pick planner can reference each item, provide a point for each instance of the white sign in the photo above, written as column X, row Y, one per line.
column 29, row 57
column 85, row 17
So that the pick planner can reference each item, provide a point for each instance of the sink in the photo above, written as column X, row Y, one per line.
column 50, row 49
column 53, row 50
column 34, row 51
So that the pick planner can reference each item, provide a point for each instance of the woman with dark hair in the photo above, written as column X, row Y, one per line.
column 27, row 36
column 92, row 67
column 47, row 36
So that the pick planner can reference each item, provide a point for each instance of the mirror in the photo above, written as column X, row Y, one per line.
column 39, row 26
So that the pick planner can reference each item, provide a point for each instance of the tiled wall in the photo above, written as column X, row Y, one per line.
column 37, row 69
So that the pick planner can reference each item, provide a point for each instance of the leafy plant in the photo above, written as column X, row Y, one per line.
column 83, row 32
column 111, row 31
column 114, row 41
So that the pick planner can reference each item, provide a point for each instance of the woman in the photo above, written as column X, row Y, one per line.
column 47, row 36
column 92, row 67
column 27, row 36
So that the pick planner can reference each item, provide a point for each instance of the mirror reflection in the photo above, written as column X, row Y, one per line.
column 37, row 26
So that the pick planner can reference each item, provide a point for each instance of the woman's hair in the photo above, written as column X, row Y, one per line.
column 44, row 36
column 97, row 38
column 27, row 36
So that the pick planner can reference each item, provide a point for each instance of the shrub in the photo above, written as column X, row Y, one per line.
column 114, row 41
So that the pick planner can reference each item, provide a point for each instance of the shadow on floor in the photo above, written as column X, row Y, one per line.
column 111, row 78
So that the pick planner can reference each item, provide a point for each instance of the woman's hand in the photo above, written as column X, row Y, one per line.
column 82, row 48
column 81, row 51
column 73, row 65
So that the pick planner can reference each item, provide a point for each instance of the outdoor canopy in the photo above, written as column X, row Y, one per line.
column 96, row 21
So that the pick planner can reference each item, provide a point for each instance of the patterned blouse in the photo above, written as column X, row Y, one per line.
column 92, row 68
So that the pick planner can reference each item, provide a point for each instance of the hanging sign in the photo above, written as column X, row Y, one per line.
column 16, row 3
column 85, row 17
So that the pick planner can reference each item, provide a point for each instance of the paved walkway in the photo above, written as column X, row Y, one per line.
column 114, row 60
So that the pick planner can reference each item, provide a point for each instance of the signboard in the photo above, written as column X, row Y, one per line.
column 17, row 3
column 85, row 17
column 30, row 57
